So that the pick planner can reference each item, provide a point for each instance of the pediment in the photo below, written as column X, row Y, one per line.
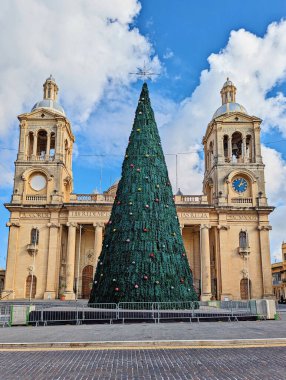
column 42, row 114
column 236, row 117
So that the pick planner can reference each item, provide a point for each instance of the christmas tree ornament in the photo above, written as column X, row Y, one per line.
column 153, row 250
column 110, row 222
column 136, row 286
column 130, row 213
column 114, row 280
column 172, row 287
column 127, row 240
column 182, row 280
column 138, row 170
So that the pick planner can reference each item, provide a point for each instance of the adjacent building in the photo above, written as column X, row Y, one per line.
column 279, row 276
column 55, row 235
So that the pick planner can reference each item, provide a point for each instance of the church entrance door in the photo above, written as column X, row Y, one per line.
column 244, row 288
column 28, row 286
column 87, row 281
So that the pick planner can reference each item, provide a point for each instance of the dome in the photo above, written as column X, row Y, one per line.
column 51, row 104
column 229, row 107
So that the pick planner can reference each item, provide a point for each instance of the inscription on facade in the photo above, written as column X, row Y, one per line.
column 193, row 215
column 89, row 213
column 242, row 217
column 34, row 215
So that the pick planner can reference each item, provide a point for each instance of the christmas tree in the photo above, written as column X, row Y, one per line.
column 143, row 257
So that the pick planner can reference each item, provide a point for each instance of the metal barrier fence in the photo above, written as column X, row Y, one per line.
column 78, row 313
column 4, row 315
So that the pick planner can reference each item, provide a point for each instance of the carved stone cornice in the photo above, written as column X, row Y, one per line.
column 264, row 228
column 12, row 224
column 53, row 225
column 71, row 224
column 222, row 227
column 99, row 224
column 205, row 226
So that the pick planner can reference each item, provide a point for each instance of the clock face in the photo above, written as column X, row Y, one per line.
column 38, row 182
column 239, row 185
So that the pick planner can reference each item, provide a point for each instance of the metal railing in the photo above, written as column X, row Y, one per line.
column 5, row 315
column 131, row 311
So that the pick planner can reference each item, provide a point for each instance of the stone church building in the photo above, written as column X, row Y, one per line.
column 55, row 235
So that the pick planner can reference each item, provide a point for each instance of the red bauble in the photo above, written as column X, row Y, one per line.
column 145, row 229
column 156, row 200
column 152, row 254
column 145, row 277
column 116, row 289
column 183, row 254
column 182, row 280
column 136, row 286
column 118, row 202
column 132, row 165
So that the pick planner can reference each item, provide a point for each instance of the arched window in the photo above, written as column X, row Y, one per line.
column 35, row 236
column 225, row 147
column 53, row 145
column 42, row 144
column 243, row 239
column 236, row 146
column 30, row 144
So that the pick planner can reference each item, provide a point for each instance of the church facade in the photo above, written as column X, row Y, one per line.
column 55, row 235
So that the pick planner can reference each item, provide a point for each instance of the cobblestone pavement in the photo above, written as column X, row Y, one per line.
column 164, row 364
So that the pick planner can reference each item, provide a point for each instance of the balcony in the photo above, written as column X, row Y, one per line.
column 247, row 201
column 32, row 249
column 103, row 198
column 36, row 198
column 42, row 157
column 91, row 198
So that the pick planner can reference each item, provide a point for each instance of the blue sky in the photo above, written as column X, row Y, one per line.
column 193, row 45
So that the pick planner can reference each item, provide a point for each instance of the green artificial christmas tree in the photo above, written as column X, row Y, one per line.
column 143, row 257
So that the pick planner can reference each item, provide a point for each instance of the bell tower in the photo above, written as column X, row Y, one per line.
column 234, row 171
column 43, row 169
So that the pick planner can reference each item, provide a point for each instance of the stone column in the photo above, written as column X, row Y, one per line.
column 265, row 261
column 244, row 149
column 35, row 142
column 98, row 238
column 229, row 150
column 22, row 140
column 50, row 292
column 258, row 157
column 48, row 146
column 11, row 260
column 205, row 264
column 70, row 263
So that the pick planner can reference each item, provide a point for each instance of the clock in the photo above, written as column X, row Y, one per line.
column 239, row 185
column 38, row 182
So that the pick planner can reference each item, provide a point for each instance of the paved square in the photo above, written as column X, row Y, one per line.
column 163, row 364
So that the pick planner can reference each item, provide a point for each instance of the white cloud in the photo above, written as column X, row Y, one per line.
column 89, row 47
column 168, row 54
column 256, row 65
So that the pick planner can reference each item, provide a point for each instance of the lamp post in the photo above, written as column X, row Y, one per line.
column 78, row 261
